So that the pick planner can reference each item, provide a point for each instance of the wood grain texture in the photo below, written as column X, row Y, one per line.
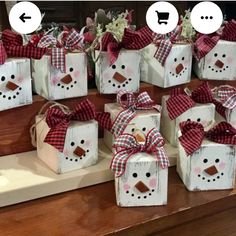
column 93, row 211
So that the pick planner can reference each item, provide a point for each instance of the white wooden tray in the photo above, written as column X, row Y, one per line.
column 24, row 177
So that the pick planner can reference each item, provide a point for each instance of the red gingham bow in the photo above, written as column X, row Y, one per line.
column 58, row 121
column 130, row 104
column 193, row 135
column 12, row 46
column 131, row 40
column 164, row 44
column 126, row 146
column 205, row 43
column 58, row 50
column 179, row 101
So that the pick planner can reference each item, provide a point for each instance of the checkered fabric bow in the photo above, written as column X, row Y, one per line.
column 193, row 135
column 58, row 50
column 225, row 98
column 205, row 43
column 179, row 101
column 58, row 121
column 12, row 46
column 126, row 146
column 131, row 104
column 131, row 40
column 164, row 43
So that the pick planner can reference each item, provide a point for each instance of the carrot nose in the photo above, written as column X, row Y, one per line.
column 119, row 77
column 79, row 151
column 211, row 170
column 11, row 86
column 66, row 79
column 219, row 64
column 179, row 68
column 141, row 187
column 139, row 136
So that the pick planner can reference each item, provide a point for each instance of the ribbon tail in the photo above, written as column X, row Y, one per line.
column 3, row 54
column 104, row 119
column 162, row 158
column 113, row 50
column 163, row 51
column 58, row 59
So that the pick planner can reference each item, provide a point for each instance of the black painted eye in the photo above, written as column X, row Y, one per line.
column 82, row 141
column 188, row 119
column 132, row 130
column 148, row 174
column 113, row 67
column 143, row 129
column 175, row 60
column 13, row 76
column 72, row 144
column 123, row 66
column 215, row 54
column 223, row 55
column 182, row 58
column 71, row 69
column 135, row 175
column 3, row 78
column 205, row 160
column 198, row 120
column 217, row 160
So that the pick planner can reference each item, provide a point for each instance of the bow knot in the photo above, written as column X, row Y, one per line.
column 193, row 135
column 126, row 145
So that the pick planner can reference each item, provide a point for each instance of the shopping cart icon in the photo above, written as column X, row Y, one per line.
column 163, row 17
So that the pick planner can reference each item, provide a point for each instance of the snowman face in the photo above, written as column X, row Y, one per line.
column 73, row 83
column 123, row 74
column 142, row 124
column 219, row 62
column 81, row 147
column 212, row 167
column 15, row 83
column 178, row 65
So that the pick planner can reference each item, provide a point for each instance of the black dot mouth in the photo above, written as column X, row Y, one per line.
column 218, row 70
column 180, row 74
column 77, row 158
column 121, row 85
column 13, row 96
column 67, row 87
column 141, row 195
column 211, row 179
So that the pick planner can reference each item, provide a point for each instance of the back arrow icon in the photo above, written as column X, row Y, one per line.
column 23, row 17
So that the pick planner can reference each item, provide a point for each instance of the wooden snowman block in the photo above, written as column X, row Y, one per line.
column 143, row 179
column 53, row 84
column 210, row 167
column 123, row 74
column 15, row 83
column 139, row 125
column 175, row 71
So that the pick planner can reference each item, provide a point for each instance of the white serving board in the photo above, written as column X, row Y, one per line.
column 24, row 177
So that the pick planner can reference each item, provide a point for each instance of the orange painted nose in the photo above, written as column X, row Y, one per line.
column 179, row 68
column 212, row 170
column 119, row 77
column 219, row 64
column 141, row 187
column 139, row 136
column 79, row 151
column 66, row 79
column 11, row 86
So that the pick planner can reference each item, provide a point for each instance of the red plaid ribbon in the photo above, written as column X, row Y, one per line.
column 130, row 104
column 131, row 40
column 193, row 135
column 205, row 43
column 179, row 101
column 164, row 43
column 126, row 146
column 12, row 46
column 58, row 121
column 58, row 50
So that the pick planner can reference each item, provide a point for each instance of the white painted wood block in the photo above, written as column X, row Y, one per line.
column 79, row 134
column 194, row 171
column 123, row 74
column 15, row 72
column 177, row 68
column 140, row 125
column 224, row 52
column 203, row 113
column 142, row 169
column 49, row 83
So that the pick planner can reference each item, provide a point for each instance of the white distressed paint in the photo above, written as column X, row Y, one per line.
column 224, row 51
column 142, row 123
column 170, row 128
column 46, row 78
column 154, row 73
column 127, row 64
column 16, row 70
column 82, row 134
column 142, row 164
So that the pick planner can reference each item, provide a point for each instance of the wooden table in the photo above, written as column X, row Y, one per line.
column 93, row 211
